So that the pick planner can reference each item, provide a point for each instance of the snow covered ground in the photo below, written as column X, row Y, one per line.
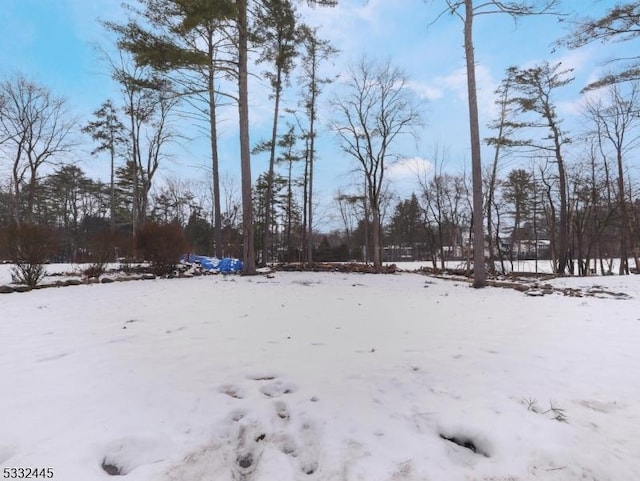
column 320, row 377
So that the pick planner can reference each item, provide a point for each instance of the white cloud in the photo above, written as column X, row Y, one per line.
column 456, row 83
column 426, row 91
column 409, row 168
column 405, row 174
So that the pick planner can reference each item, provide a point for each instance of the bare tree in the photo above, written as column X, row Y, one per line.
column 615, row 125
column 591, row 213
column 148, row 105
column 375, row 110
column 36, row 129
column 348, row 207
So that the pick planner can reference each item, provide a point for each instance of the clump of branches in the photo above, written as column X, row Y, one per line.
column 162, row 245
column 28, row 247
column 557, row 413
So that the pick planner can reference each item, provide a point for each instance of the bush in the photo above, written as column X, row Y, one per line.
column 162, row 245
column 102, row 250
column 29, row 247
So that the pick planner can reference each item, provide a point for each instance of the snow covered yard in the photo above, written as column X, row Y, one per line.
column 320, row 377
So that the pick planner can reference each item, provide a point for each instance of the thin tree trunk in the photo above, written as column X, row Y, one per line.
column 266, row 228
column 134, row 159
column 289, row 209
column 624, row 218
column 305, row 210
column 112, row 206
column 17, row 194
column 631, row 233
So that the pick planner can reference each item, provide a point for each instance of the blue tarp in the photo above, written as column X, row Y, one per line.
column 226, row 265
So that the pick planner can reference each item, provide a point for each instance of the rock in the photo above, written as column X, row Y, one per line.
column 107, row 280
column 6, row 289
column 22, row 288
column 534, row 293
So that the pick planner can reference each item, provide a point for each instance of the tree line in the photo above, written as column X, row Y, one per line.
column 177, row 60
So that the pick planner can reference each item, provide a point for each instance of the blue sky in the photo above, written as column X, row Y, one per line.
column 53, row 42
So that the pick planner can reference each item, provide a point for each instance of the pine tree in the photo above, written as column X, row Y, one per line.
column 109, row 132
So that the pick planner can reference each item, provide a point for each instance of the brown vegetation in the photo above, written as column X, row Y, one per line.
column 162, row 245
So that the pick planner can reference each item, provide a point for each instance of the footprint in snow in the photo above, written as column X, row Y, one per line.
column 248, row 450
column 278, row 388
column 126, row 454
column 237, row 415
column 301, row 445
column 464, row 443
column 231, row 391
column 281, row 411
column 310, row 451
column 262, row 376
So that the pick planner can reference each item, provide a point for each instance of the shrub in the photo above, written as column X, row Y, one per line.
column 102, row 250
column 162, row 245
column 29, row 247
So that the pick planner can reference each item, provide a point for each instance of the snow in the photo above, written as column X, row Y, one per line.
column 321, row 377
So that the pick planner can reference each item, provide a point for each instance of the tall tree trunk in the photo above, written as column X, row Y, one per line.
column 479, row 274
column 266, row 228
column 215, row 172
column 563, row 235
column 248, row 254
column 312, row 135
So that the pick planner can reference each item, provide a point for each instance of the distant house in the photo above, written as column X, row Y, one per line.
column 526, row 249
column 398, row 254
